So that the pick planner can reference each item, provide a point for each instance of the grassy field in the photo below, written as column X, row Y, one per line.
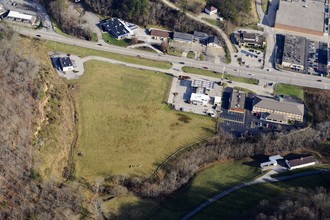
column 113, row 41
column 289, row 90
column 211, row 73
column 191, row 55
column 147, row 49
column 94, row 37
column 247, row 198
column 124, row 126
column 81, row 51
column 205, row 185
column 174, row 52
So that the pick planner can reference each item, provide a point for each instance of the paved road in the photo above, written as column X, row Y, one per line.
column 263, row 179
column 216, row 28
column 272, row 76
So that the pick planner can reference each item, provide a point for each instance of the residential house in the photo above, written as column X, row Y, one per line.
column 210, row 10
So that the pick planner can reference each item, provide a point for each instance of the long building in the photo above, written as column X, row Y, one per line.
column 21, row 17
column 294, row 52
column 279, row 110
column 304, row 16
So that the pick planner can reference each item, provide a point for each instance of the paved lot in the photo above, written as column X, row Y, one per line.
column 251, row 57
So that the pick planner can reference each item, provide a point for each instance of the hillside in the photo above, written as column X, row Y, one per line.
column 26, row 194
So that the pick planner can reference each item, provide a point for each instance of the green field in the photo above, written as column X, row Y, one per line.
column 211, row 73
column 81, row 51
column 289, row 90
column 204, row 186
column 113, row 41
column 124, row 127
column 174, row 52
column 191, row 55
column 247, row 198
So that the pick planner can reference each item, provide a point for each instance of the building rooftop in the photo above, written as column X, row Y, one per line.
column 301, row 161
column 183, row 36
column 211, row 8
column 294, row 49
column 65, row 61
column 200, row 35
column 18, row 15
column 282, row 106
column 304, row 14
column 237, row 101
column 202, row 84
column 115, row 27
column 160, row 33
column 213, row 40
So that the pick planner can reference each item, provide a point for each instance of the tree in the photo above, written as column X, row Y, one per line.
column 164, row 46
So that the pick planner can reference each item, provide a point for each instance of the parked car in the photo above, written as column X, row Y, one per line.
column 38, row 35
column 204, row 67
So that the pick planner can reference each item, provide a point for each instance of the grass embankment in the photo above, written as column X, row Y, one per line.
column 174, row 52
column 211, row 73
column 94, row 37
column 81, row 51
column 204, row 186
column 289, row 90
column 113, row 41
column 147, row 49
column 247, row 198
column 124, row 126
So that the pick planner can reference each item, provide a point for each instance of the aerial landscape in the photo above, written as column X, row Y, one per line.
column 164, row 109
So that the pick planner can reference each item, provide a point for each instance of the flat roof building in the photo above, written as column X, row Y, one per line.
column 199, row 99
column 21, row 17
column 200, row 36
column 184, row 37
column 294, row 52
column 247, row 39
column 237, row 102
column 279, row 111
column 304, row 16
column 66, row 64
column 116, row 27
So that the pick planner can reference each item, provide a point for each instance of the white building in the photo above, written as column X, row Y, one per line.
column 217, row 100
column 272, row 161
column 210, row 10
column 66, row 64
column 199, row 99
column 300, row 162
column 18, row 16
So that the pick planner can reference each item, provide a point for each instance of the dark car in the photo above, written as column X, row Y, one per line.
column 319, row 80
column 38, row 35
column 204, row 67
column 181, row 62
column 99, row 44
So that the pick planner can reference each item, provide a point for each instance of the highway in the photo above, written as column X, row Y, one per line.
column 261, row 74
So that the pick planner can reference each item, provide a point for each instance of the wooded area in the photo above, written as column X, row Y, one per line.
column 23, row 193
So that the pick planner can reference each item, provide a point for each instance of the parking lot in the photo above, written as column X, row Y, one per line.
column 251, row 57
column 182, row 98
column 249, row 124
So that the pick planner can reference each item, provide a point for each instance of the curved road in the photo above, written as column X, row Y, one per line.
column 263, row 179
column 223, row 35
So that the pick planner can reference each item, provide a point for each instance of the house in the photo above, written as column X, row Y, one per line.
column 183, row 37
column 237, row 102
column 200, row 36
column 210, row 10
column 246, row 39
column 159, row 34
column 272, row 161
column 66, row 64
column 199, row 99
column 213, row 41
column 21, row 17
column 279, row 110
column 300, row 162
column 116, row 27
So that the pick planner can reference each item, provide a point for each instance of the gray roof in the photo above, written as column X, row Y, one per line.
column 237, row 100
column 301, row 161
column 296, row 14
column 182, row 36
column 276, row 117
column 200, row 35
column 282, row 106
column 213, row 40
column 294, row 49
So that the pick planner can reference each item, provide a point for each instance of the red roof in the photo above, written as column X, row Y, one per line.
column 160, row 33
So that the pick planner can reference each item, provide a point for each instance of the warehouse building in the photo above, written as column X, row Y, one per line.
column 304, row 16
column 21, row 17
column 117, row 28
column 294, row 53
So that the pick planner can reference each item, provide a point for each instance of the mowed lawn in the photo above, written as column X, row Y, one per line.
column 204, row 186
column 247, row 198
column 124, row 126
column 289, row 90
